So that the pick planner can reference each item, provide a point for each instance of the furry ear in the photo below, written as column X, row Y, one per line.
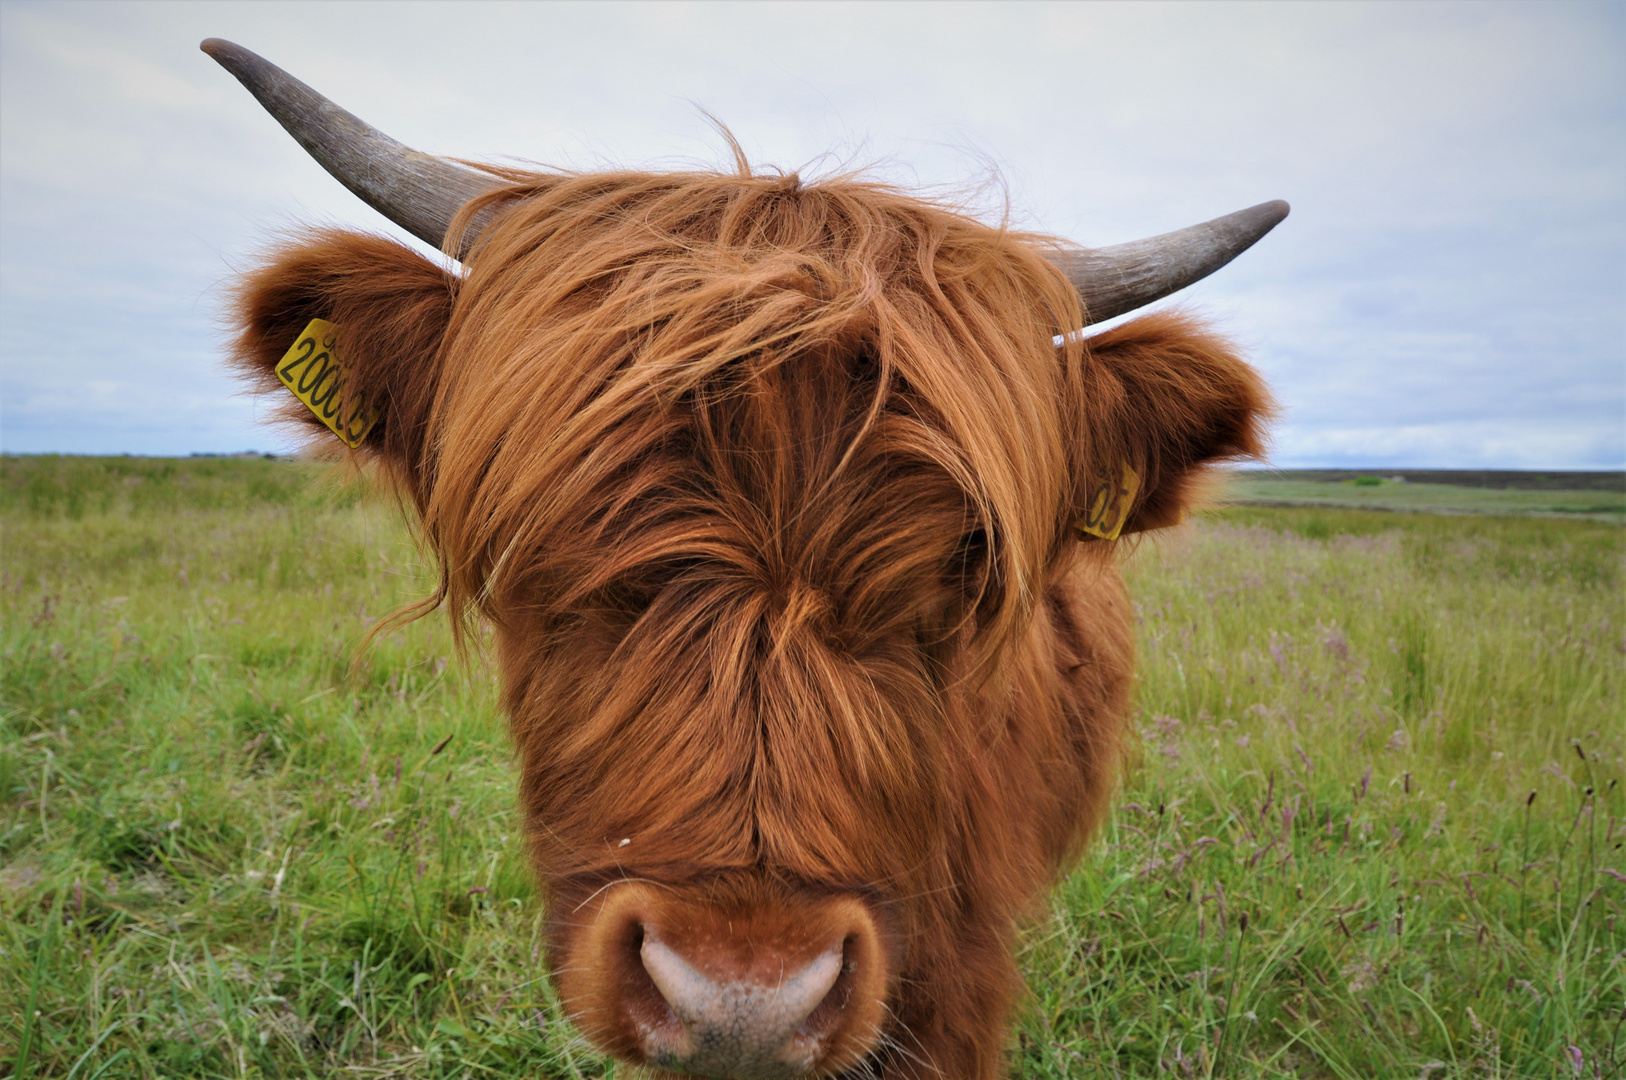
column 1164, row 396
column 392, row 307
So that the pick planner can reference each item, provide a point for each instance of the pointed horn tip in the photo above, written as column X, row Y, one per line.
column 231, row 56
column 1273, row 211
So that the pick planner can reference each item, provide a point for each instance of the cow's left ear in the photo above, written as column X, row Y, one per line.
column 1161, row 398
column 390, row 308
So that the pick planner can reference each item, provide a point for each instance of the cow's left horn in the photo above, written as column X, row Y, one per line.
column 1114, row 280
column 419, row 192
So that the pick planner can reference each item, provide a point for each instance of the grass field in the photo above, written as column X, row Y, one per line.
column 1374, row 828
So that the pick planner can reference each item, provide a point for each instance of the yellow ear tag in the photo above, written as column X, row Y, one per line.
column 311, row 369
column 1109, row 506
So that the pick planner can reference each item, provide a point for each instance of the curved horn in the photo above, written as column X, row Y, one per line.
column 1121, row 278
column 419, row 192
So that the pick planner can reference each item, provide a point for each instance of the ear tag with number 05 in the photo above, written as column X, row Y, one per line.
column 1108, row 507
column 311, row 369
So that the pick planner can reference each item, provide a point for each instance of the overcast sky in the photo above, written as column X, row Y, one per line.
column 1449, row 291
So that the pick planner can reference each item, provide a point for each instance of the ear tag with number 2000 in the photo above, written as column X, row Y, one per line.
column 311, row 369
column 1109, row 506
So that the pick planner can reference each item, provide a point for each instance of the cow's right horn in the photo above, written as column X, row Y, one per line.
column 419, row 192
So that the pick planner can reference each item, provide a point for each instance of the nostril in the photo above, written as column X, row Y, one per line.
column 827, row 1014
column 682, row 987
column 639, row 999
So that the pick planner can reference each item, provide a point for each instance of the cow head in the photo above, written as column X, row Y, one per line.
column 771, row 493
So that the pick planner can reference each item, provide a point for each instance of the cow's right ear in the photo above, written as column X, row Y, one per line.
column 1163, row 398
column 391, row 306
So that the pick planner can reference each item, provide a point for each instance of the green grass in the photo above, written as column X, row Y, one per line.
column 1375, row 493
column 219, row 856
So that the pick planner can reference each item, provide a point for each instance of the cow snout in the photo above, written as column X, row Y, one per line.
column 738, row 1027
column 778, row 990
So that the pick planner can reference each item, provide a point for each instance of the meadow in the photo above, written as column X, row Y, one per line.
column 1373, row 827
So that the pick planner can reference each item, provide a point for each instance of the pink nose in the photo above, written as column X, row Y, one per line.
column 740, row 979
column 740, row 1028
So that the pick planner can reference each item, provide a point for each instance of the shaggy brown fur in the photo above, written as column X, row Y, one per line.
column 767, row 489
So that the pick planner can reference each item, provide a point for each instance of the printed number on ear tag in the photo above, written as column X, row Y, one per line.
column 1109, row 506
column 311, row 369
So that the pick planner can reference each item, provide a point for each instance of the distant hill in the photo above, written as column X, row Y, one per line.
column 1497, row 479
column 1595, row 495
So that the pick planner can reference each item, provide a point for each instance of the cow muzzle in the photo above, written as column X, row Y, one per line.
column 759, row 989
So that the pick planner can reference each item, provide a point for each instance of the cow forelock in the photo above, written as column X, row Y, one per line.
column 747, row 661
column 759, row 483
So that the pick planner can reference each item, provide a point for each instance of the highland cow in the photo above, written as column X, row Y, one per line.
column 795, row 510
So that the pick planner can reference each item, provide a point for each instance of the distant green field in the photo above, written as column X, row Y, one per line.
column 1377, row 493
column 1374, row 827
